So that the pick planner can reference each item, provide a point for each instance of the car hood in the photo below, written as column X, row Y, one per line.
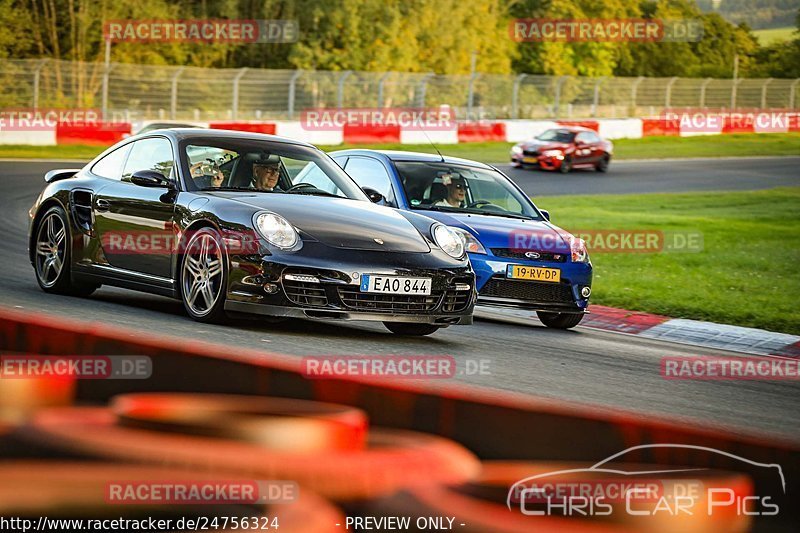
column 536, row 144
column 502, row 232
column 342, row 223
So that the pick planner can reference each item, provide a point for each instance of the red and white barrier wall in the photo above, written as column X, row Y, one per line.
column 464, row 132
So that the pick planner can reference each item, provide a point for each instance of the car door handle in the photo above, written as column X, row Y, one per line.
column 103, row 205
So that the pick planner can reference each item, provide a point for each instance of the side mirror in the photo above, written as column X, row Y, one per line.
column 545, row 214
column 151, row 178
column 374, row 196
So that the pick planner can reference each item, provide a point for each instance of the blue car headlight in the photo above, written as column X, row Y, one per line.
column 471, row 243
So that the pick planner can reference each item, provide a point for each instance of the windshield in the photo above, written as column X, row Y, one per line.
column 264, row 166
column 459, row 188
column 562, row 136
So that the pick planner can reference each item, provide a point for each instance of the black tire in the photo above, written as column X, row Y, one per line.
column 560, row 320
column 213, row 313
column 54, row 223
column 566, row 165
column 602, row 165
column 411, row 329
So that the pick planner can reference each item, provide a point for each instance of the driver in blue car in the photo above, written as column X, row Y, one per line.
column 456, row 191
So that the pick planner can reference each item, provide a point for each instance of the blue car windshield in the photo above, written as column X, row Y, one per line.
column 442, row 186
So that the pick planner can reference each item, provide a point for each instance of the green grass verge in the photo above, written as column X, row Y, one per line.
column 772, row 35
column 745, row 144
column 746, row 274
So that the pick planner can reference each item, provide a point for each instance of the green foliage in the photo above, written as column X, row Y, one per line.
column 403, row 35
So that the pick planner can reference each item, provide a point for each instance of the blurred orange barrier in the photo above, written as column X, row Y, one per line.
column 371, row 133
column 591, row 124
column 481, row 505
column 19, row 398
column 492, row 424
column 101, row 134
column 392, row 459
column 655, row 127
column 275, row 423
column 252, row 127
column 481, row 131
column 61, row 490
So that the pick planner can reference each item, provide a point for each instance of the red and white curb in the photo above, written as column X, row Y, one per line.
column 678, row 330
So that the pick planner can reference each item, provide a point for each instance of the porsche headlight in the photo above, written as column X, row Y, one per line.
column 276, row 230
column 516, row 149
column 448, row 240
column 471, row 243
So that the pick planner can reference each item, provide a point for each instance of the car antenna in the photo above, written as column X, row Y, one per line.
column 430, row 141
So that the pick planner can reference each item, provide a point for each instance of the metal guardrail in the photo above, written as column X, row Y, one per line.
column 149, row 92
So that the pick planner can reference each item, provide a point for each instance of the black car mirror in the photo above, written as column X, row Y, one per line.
column 150, row 178
column 545, row 214
column 374, row 196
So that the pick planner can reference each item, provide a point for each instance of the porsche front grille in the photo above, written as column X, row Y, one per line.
column 455, row 300
column 303, row 293
column 353, row 298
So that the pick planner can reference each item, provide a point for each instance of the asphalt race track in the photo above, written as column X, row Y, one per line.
column 579, row 366
column 676, row 175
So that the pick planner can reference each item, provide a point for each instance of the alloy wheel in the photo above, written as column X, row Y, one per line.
column 51, row 243
column 202, row 274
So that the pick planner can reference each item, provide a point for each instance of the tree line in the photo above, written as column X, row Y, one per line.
column 443, row 36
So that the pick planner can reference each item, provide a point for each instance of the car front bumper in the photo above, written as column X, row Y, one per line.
column 306, row 286
column 497, row 290
column 528, row 161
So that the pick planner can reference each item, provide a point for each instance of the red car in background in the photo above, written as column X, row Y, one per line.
column 563, row 149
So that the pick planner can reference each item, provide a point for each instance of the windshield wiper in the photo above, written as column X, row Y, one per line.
column 474, row 212
column 248, row 189
column 316, row 192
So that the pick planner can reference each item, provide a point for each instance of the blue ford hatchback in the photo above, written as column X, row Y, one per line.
column 520, row 258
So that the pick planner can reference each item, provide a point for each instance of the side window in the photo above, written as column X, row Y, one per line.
column 111, row 165
column 581, row 138
column 341, row 160
column 592, row 137
column 371, row 173
column 150, row 154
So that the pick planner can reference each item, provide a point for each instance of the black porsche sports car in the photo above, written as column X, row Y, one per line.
column 233, row 222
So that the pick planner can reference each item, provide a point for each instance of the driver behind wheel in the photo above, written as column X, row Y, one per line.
column 456, row 191
column 266, row 175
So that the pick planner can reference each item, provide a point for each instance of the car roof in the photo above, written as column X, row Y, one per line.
column 573, row 129
column 400, row 155
column 182, row 134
